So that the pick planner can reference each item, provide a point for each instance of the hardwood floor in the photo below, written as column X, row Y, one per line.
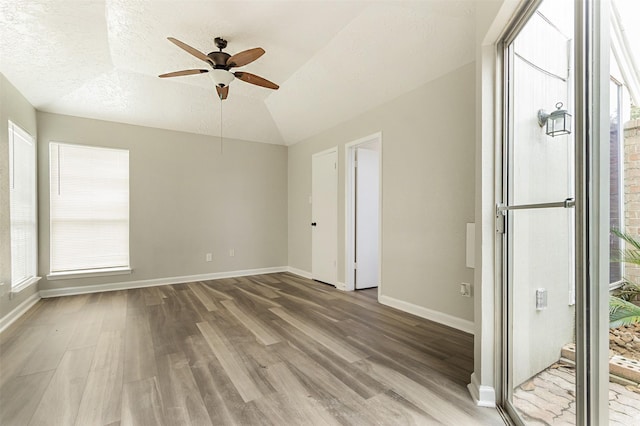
column 264, row 350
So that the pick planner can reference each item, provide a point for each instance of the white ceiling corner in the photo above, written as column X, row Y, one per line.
column 332, row 60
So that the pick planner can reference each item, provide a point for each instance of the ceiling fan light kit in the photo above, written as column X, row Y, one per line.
column 221, row 77
column 220, row 63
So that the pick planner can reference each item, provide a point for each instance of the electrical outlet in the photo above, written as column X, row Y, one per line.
column 465, row 289
column 541, row 299
column 232, row 252
column 209, row 257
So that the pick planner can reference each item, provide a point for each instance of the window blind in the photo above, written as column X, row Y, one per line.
column 22, row 205
column 89, row 197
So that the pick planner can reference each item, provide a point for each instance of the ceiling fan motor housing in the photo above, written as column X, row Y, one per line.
column 219, row 60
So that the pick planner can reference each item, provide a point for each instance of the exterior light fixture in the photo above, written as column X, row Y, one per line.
column 558, row 122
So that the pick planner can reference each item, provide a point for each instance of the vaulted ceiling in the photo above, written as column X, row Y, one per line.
column 333, row 60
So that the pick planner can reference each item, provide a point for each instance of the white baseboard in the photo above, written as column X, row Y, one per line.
column 299, row 272
column 18, row 311
column 69, row 291
column 442, row 318
column 483, row 396
column 341, row 286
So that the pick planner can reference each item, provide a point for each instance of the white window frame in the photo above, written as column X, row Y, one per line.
column 83, row 272
column 621, row 170
column 32, row 263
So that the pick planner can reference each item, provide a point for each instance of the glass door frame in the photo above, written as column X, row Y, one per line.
column 591, row 100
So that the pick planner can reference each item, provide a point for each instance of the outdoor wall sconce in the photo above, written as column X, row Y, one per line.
column 558, row 122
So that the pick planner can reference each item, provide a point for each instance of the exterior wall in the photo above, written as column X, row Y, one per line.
column 632, row 188
column 14, row 107
column 427, row 192
column 187, row 198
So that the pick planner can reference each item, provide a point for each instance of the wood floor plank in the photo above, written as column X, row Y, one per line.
column 101, row 402
column 325, row 384
column 61, row 400
column 264, row 289
column 262, row 333
column 114, row 304
column 308, row 355
column 15, row 352
column 300, row 406
column 139, row 354
column 236, row 372
column 258, row 298
column 85, row 332
column 153, row 296
column 21, row 395
column 47, row 355
column 390, row 408
column 142, row 404
column 431, row 402
column 203, row 297
column 221, row 295
column 181, row 400
column 334, row 345
column 298, row 300
column 71, row 305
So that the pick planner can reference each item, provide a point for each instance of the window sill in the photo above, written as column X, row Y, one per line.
column 616, row 285
column 86, row 273
column 23, row 286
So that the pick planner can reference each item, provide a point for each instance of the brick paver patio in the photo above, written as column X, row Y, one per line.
column 549, row 399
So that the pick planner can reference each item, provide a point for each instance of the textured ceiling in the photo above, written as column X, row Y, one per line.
column 333, row 60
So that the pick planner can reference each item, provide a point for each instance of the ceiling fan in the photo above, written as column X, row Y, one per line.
column 221, row 62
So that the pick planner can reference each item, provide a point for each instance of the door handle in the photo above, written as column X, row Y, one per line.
column 313, row 223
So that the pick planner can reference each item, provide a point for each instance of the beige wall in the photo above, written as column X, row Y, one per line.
column 14, row 107
column 186, row 199
column 428, row 149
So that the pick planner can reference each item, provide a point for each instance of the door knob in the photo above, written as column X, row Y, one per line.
column 313, row 223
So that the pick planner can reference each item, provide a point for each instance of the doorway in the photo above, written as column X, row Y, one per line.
column 363, row 212
column 324, row 216
column 552, row 214
column 538, row 193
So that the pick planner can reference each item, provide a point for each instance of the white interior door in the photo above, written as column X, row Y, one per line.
column 367, row 220
column 324, row 216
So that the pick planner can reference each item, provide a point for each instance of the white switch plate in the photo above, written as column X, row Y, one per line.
column 209, row 257
column 232, row 252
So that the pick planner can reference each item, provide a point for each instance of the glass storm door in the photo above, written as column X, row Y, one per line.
column 537, row 218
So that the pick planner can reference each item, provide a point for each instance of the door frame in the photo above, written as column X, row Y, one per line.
column 591, row 64
column 333, row 150
column 350, row 211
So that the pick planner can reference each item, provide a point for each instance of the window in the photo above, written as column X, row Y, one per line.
column 23, row 210
column 616, row 188
column 89, row 193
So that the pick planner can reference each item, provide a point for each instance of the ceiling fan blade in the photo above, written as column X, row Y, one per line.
column 255, row 79
column 223, row 92
column 245, row 57
column 183, row 72
column 195, row 52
